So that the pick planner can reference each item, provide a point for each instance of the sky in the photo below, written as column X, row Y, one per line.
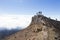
column 15, row 13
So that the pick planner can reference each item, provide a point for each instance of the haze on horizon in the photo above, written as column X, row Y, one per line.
column 15, row 13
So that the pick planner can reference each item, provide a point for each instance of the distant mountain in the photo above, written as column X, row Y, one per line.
column 6, row 32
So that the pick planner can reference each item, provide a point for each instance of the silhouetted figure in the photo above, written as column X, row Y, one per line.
column 49, row 18
column 56, row 19
column 39, row 13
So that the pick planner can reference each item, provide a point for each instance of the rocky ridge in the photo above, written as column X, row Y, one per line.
column 40, row 28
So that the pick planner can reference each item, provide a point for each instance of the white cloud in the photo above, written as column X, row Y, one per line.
column 12, row 21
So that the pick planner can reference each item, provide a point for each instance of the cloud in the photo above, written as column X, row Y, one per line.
column 12, row 21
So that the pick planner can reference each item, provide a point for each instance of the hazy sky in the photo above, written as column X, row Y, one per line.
column 14, row 10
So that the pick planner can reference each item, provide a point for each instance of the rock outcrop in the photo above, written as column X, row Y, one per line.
column 41, row 28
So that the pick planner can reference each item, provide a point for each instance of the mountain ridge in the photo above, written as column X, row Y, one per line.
column 40, row 28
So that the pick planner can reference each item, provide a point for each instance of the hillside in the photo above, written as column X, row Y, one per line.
column 40, row 28
column 6, row 32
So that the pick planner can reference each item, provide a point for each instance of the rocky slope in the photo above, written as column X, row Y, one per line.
column 41, row 28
